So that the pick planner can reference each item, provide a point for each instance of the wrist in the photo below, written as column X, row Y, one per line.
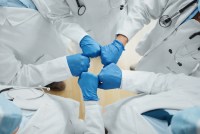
column 91, row 103
column 91, row 99
column 82, row 42
column 119, row 45
column 70, row 65
column 123, row 39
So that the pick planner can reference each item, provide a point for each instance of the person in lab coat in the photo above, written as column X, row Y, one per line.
column 168, row 71
column 37, row 114
column 80, row 20
column 19, row 64
column 10, row 116
column 187, row 121
column 31, row 50
column 94, row 119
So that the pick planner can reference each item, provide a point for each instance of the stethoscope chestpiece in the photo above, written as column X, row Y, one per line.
column 165, row 21
column 81, row 10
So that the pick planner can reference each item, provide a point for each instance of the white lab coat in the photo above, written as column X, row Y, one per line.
column 101, row 19
column 31, row 50
column 35, row 56
column 56, row 114
column 166, row 90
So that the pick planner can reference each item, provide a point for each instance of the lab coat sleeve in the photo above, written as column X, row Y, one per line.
column 152, row 83
column 140, row 12
column 93, row 118
column 58, row 12
column 13, row 72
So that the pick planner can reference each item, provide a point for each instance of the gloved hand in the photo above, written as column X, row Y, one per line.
column 88, row 84
column 10, row 116
column 110, row 77
column 90, row 47
column 111, row 53
column 186, row 121
column 78, row 64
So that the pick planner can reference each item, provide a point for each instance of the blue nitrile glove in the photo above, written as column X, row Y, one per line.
column 90, row 47
column 112, row 52
column 10, row 116
column 110, row 77
column 78, row 64
column 186, row 121
column 89, row 84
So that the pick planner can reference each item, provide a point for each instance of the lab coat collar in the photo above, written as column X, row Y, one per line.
column 185, row 14
column 67, row 108
column 15, row 16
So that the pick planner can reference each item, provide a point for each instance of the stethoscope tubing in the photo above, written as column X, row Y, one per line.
column 165, row 20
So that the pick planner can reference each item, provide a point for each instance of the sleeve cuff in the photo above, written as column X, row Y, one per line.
column 129, row 28
column 72, row 31
column 67, row 68
column 126, row 83
column 56, row 69
column 137, row 81
column 89, row 103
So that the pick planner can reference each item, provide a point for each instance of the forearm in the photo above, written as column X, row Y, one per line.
column 151, row 83
column 140, row 12
column 123, row 39
column 93, row 118
column 34, row 75
column 59, row 13
column 70, row 30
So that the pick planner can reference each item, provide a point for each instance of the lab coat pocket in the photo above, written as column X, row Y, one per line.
column 185, row 60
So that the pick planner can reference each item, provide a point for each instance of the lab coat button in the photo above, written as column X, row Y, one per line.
column 170, row 51
column 165, row 39
column 121, row 7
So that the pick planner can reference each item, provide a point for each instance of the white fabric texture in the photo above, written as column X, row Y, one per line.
column 166, row 89
column 34, row 57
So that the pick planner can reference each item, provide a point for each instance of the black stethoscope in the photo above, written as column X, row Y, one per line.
column 165, row 21
column 11, row 89
column 81, row 8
